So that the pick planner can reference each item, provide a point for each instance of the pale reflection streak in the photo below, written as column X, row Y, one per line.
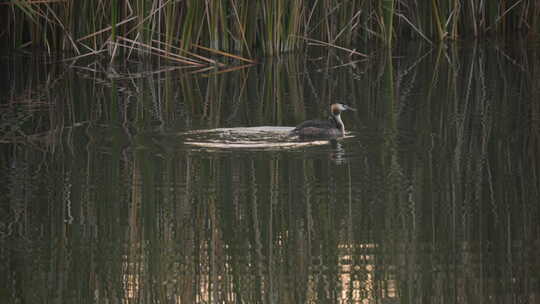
column 357, row 288
column 356, row 280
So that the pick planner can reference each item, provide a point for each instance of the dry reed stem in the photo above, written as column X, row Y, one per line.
column 346, row 25
column 64, row 29
column 236, row 68
column 436, row 15
column 163, row 52
column 350, row 51
column 223, row 53
column 242, row 31
column 147, row 17
column 105, row 29
column 84, row 55
column 202, row 70
column 160, row 53
column 414, row 27
column 506, row 12
column 209, row 60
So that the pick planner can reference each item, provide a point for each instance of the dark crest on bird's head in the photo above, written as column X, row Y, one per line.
column 337, row 108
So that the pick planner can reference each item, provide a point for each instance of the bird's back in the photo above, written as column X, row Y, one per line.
column 317, row 128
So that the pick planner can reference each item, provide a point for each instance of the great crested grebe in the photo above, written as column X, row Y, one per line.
column 331, row 128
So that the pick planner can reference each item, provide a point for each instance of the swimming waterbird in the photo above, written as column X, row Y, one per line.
column 331, row 128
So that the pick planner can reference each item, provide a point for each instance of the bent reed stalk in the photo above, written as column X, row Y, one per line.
column 239, row 30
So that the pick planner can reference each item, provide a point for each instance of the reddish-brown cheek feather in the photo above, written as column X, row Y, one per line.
column 335, row 110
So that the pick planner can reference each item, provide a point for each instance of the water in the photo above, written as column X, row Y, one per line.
column 432, row 198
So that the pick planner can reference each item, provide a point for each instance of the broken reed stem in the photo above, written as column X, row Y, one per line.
column 162, row 52
column 350, row 51
column 223, row 53
column 106, row 29
column 179, row 50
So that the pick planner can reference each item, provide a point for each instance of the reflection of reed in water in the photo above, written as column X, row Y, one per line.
column 435, row 201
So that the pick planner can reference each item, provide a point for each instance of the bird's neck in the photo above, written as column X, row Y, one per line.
column 339, row 123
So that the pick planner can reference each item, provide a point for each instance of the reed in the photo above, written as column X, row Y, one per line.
column 249, row 28
column 387, row 16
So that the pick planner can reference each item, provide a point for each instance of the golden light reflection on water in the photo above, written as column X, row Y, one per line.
column 356, row 281
column 357, row 288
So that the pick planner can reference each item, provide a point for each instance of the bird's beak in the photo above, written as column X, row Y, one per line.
column 349, row 108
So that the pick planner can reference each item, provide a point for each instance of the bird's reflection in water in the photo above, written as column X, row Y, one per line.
column 338, row 154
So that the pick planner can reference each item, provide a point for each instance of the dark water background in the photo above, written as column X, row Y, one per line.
column 434, row 200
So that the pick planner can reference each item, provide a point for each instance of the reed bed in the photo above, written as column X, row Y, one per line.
column 197, row 32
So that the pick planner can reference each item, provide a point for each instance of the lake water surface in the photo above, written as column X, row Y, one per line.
column 432, row 198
